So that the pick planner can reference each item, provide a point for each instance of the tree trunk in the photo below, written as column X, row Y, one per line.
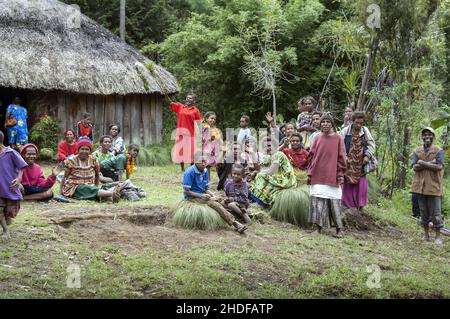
column 368, row 71
column 122, row 20
column 274, row 106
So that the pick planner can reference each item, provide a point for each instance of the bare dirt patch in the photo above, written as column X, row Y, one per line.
column 362, row 225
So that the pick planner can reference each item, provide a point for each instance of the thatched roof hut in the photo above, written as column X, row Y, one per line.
column 64, row 63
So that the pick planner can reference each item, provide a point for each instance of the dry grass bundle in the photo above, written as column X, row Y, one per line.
column 197, row 216
column 292, row 206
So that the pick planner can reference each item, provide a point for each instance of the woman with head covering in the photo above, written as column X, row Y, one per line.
column 68, row 146
column 81, row 177
column 360, row 148
column 34, row 184
column 327, row 165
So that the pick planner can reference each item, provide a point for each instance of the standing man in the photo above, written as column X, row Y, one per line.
column 428, row 165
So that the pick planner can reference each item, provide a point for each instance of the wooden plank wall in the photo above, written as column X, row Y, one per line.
column 140, row 116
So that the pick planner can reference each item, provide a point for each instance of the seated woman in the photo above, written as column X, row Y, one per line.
column 276, row 174
column 297, row 155
column 68, row 146
column 34, row 184
column 81, row 177
column 103, row 152
column 117, row 144
column 114, row 167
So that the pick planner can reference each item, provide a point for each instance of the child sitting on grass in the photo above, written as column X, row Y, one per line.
column 114, row 167
column 196, row 189
column 34, row 184
column 236, row 189
column 11, row 170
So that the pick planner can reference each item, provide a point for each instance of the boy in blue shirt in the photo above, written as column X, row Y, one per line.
column 196, row 189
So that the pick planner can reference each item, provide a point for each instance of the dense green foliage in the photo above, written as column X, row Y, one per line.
column 45, row 133
column 239, row 56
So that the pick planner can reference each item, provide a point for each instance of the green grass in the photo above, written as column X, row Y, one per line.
column 274, row 260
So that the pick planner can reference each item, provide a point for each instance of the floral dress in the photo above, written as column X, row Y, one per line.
column 211, row 140
column 18, row 134
column 266, row 187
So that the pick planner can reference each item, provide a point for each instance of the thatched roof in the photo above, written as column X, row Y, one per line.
column 48, row 45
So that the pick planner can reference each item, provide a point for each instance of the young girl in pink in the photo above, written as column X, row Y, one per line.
column 211, row 140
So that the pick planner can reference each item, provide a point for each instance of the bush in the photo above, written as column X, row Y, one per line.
column 45, row 133
column 46, row 154
column 197, row 216
column 154, row 155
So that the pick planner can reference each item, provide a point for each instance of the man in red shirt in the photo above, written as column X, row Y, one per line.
column 297, row 155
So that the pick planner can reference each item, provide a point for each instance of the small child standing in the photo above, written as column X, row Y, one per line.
column 244, row 132
column 85, row 127
column 11, row 170
column 211, row 140
column 236, row 189
column 304, row 119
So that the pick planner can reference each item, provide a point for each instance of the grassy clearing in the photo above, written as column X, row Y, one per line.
column 274, row 260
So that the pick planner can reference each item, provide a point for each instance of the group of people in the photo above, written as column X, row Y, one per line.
column 79, row 170
column 335, row 160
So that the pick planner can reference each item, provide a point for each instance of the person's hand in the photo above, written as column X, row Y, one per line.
column 365, row 160
column 420, row 162
column 206, row 197
column 269, row 117
column 15, row 184
column 249, row 149
column 56, row 170
column 340, row 180
column 287, row 141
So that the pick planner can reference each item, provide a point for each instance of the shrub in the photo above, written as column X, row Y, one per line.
column 154, row 155
column 45, row 133
column 46, row 154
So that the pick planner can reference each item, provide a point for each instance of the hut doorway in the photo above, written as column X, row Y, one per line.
column 6, row 97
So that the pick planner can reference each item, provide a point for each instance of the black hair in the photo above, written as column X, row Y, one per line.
column 103, row 138
column 317, row 113
column 209, row 114
column 238, row 167
column 86, row 115
column 133, row 147
column 246, row 117
column 17, row 100
column 111, row 126
column 290, row 123
column 358, row 115
column 296, row 134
